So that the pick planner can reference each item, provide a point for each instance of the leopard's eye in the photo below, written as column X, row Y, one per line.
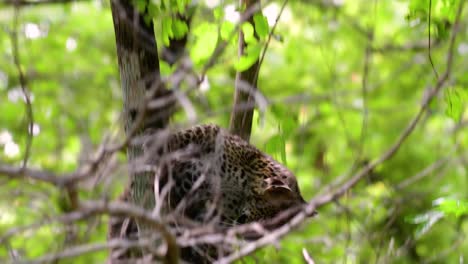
column 242, row 219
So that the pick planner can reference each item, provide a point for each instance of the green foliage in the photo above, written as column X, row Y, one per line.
column 248, row 31
column 227, row 29
column 206, row 37
column 452, row 207
column 312, row 78
column 455, row 100
column 261, row 26
column 173, row 28
column 250, row 56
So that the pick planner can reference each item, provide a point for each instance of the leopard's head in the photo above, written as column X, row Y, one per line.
column 275, row 191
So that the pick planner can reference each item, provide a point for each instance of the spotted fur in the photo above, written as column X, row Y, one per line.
column 240, row 182
column 213, row 176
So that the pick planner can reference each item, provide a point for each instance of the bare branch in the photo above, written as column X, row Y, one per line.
column 116, row 244
column 93, row 208
column 22, row 81
column 22, row 3
column 307, row 257
column 332, row 196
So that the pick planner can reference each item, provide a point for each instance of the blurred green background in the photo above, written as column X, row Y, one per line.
column 412, row 209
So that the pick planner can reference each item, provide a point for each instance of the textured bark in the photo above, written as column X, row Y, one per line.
column 140, row 75
column 244, row 103
column 138, row 60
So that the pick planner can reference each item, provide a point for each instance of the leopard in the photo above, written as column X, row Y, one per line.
column 216, row 177
column 252, row 186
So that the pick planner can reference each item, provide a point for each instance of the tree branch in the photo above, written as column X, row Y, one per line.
column 23, row 3
column 322, row 200
column 241, row 121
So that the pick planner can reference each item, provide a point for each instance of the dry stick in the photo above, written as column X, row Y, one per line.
column 411, row 46
column 21, row 3
column 66, row 179
column 99, row 207
column 327, row 198
column 307, row 257
column 39, row 175
column 111, row 208
column 89, row 248
column 22, row 80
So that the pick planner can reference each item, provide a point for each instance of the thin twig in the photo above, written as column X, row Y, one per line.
column 429, row 40
column 22, row 81
column 307, row 257
column 327, row 198
column 272, row 31
column 21, row 3
column 92, row 208
column 94, row 247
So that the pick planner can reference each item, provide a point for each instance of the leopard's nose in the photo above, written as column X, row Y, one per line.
column 276, row 182
column 273, row 182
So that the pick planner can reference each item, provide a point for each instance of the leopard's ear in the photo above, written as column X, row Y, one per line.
column 277, row 188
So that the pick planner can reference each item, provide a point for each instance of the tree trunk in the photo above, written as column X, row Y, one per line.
column 246, row 86
column 140, row 77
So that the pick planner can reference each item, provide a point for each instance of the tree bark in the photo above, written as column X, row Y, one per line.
column 244, row 103
column 140, row 78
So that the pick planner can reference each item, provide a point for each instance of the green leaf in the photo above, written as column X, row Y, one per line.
column 206, row 36
column 252, row 53
column 226, row 30
column 261, row 25
column 153, row 10
column 248, row 31
column 164, row 4
column 454, row 104
column 218, row 13
column 451, row 206
column 179, row 28
column 181, row 6
column 166, row 70
column 167, row 32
